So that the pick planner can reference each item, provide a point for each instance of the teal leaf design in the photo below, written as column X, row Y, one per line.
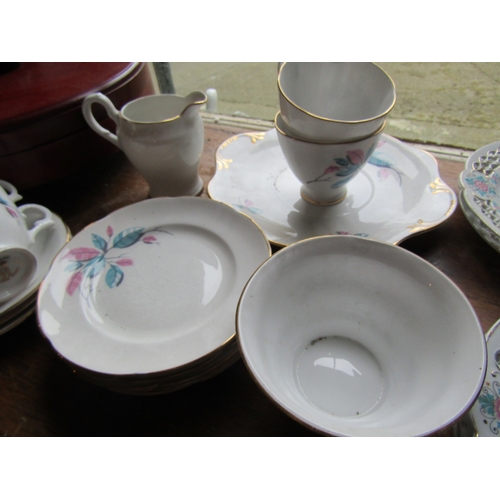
column 348, row 171
column 486, row 401
column 88, row 263
column 96, row 268
column 342, row 162
column 74, row 266
column 377, row 160
column 114, row 276
column 99, row 242
column 128, row 237
column 92, row 261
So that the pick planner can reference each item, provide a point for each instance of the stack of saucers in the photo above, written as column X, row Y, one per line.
column 44, row 247
column 480, row 193
column 144, row 301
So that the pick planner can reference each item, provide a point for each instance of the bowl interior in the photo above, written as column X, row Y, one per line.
column 339, row 91
column 362, row 338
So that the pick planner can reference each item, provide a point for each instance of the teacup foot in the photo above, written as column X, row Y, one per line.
column 341, row 195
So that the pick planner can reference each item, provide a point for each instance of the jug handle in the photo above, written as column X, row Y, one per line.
column 112, row 112
column 11, row 191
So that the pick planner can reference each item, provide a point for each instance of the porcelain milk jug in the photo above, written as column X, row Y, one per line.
column 162, row 136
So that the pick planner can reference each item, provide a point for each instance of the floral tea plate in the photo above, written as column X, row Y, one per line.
column 480, row 183
column 151, row 287
column 486, row 410
column 397, row 194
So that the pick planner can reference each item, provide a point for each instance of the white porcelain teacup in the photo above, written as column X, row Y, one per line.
column 17, row 262
column 162, row 136
column 325, row 169
column 334, row 101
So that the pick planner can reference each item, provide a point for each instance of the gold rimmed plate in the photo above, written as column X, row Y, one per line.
column 150, row 288
column 398, row 194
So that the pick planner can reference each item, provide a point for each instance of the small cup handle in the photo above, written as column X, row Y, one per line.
column 11, row 191
column 93, row 123
column 38, row 218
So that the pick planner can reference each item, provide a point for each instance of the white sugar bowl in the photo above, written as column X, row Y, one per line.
column 361, row 338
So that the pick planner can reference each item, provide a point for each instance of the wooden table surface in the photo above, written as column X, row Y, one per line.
column 40, row 396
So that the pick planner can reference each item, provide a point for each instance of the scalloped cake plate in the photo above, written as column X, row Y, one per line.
column 151, row 287
column 398, row 194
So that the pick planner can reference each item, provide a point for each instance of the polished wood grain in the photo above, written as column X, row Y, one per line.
column 40, row 396
column 43, row 135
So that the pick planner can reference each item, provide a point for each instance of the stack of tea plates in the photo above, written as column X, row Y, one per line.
column 144, row 300
column 47, row 244
column 480, row 193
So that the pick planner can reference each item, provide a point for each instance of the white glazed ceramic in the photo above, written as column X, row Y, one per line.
column 17, row 262
column 334, row 101
column 9, row 193
column 361, row 338
column 161, row 135
column 168, row 380
column 486, row 410
column 480, row 184
column 150, row 288
column 46, row 247
column 398, row 194
column 325, row 169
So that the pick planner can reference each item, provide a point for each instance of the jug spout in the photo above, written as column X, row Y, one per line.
column 195, row 99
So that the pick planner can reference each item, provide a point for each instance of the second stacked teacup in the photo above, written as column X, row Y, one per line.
column 331, row 116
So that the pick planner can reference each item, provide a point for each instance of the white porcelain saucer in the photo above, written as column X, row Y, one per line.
column 398, row 193
column 151, row 287
column 486, row 410
column 47, row 244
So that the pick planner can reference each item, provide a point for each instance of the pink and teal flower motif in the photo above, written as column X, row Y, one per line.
column 248, row 205
column 9, row 209
column 489, row 401
column 483, row 186
column 345, row 168
column 386, row 166
column 87, row 263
